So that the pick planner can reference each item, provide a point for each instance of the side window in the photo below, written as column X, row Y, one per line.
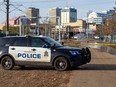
column 21, row 42
column 36, row 42
column 5, row 41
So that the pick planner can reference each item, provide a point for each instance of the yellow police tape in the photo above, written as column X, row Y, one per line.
column 99, row 44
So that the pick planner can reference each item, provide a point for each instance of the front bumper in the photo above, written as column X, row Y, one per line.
column 83, row 58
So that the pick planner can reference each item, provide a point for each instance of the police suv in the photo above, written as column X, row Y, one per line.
column 40, row 51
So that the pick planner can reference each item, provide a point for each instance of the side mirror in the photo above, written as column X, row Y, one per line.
column 62, row 43
column 46, row 46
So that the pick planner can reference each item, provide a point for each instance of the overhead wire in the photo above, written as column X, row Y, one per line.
column 15, row 8
column 18, row 8
column 41, row 1
column 2, row 9
column 2, row 3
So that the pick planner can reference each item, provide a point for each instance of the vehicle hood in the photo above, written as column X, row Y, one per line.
column 69, row 48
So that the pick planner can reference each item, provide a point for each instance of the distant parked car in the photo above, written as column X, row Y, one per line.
column 75, row 36
column 96, row 37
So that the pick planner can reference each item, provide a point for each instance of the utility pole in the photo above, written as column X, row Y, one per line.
column 7, row 16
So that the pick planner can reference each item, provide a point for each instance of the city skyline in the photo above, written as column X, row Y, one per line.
column 82, row 6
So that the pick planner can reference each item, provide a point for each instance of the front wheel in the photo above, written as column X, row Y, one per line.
column 88, row 55
column 61, row 64
column 7, row 63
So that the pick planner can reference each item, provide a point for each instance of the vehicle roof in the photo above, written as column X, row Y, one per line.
column 22, row 36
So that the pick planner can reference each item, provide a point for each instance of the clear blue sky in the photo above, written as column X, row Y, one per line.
column 82, row 6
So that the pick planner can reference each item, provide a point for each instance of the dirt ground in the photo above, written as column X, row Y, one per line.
column 100, row 72
column 33, row 77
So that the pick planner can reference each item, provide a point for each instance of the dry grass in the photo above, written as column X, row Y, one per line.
column 71, row 43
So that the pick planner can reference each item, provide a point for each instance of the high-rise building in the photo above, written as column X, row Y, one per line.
column 68, row 15
column 32, row 14
column 110, row 13
column 54, row 13
column 98, row 17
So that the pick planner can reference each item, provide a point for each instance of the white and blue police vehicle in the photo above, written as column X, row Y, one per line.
column 40, row 51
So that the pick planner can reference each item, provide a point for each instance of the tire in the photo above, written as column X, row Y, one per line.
column 84, row 56
column 7, row 63
column 61, row 64
column 88, row 55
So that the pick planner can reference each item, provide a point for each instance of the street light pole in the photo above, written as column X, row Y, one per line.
column 20, row 27
column 59, row 29
column 87, row 26
column 59, row 36
column 38, row 31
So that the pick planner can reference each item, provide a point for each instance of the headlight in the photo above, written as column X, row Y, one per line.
column 1, row 52
column 74, row 52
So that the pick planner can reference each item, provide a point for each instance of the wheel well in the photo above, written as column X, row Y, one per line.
column 6, row 55
column 63, row 57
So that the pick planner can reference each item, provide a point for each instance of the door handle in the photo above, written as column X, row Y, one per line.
column 33, row 49
column 12, row 48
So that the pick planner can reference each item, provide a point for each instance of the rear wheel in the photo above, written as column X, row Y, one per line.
column 61, row 63
column 7, row 63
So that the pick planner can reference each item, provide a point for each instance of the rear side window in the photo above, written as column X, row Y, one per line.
column 5, row 41
column 21, row 42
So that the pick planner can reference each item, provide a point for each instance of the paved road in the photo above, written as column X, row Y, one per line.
column 101, row 72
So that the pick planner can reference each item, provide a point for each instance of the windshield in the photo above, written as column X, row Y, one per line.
column 52, row 42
